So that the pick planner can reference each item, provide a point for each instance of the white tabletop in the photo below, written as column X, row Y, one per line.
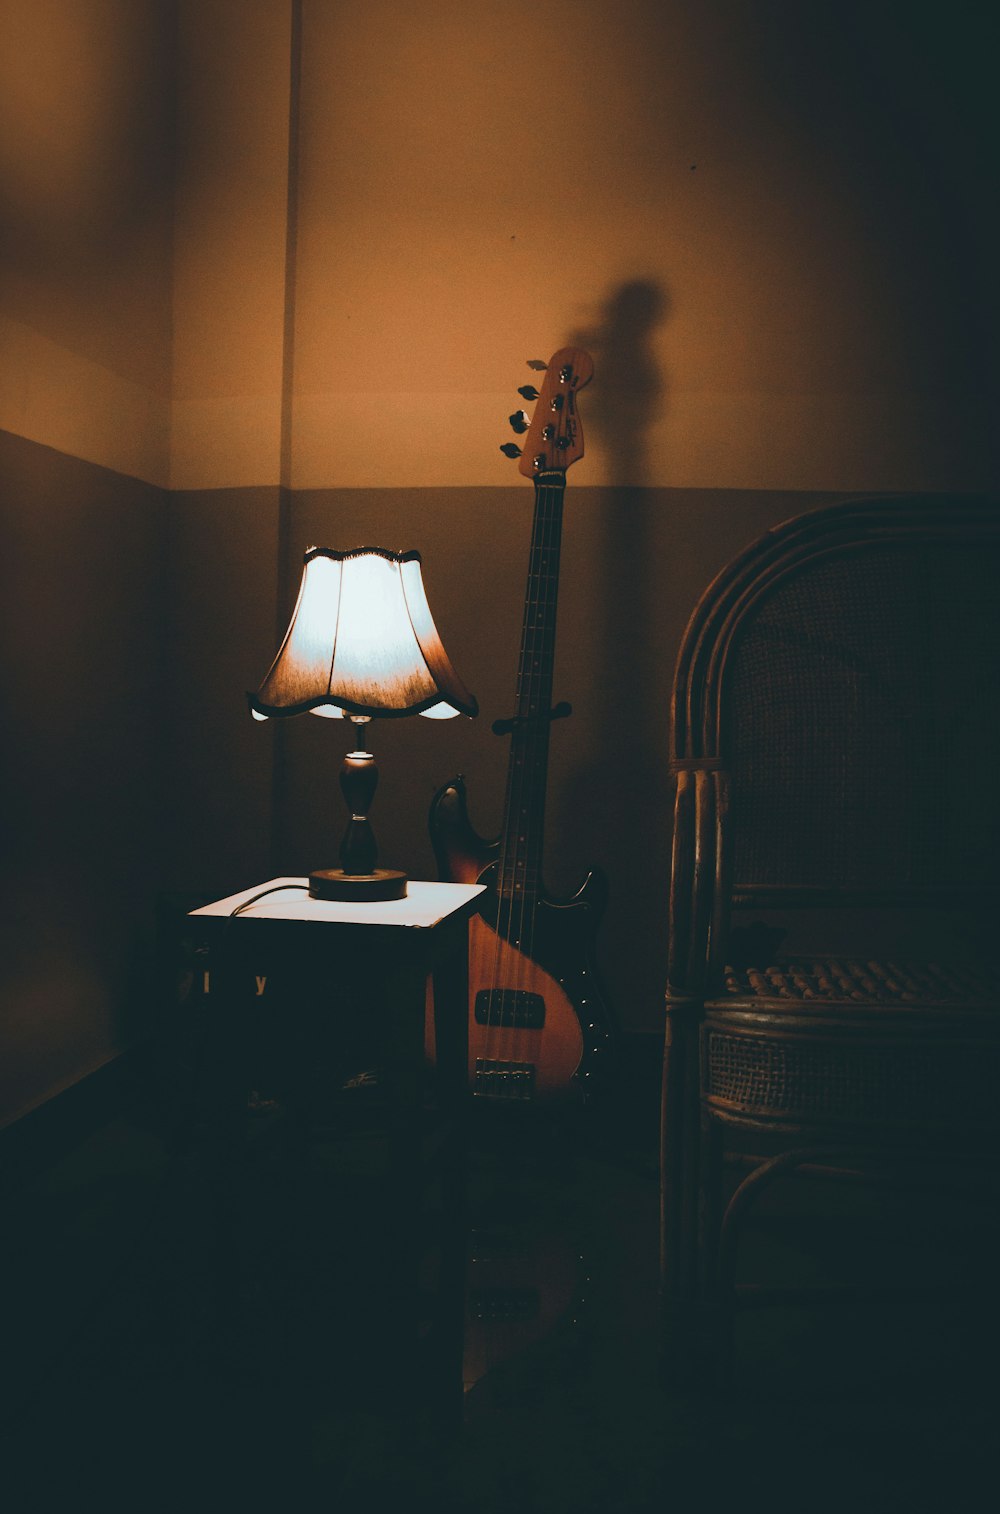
column 425, row 904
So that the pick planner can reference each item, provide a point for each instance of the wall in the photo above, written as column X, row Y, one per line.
column 81, row 626
column 230, row 417
column 769, row 222
column 85, row 168
column 219, row 631
column 85, row 164
column 144, row 179
column 230, row 204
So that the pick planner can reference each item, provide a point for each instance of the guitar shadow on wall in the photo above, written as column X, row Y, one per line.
column 628, row 391
column 617, row 779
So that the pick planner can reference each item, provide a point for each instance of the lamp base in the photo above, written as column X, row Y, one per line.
column 334, row 883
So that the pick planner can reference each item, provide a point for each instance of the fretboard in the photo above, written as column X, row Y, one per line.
column 520, row 861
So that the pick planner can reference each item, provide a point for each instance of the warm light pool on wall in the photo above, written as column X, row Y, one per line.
column 361, row 643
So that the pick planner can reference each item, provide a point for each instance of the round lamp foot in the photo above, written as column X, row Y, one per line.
column 334, row 883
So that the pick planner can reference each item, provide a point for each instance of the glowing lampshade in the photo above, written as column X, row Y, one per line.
column 362, row 639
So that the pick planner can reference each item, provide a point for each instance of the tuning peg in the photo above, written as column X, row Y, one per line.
column 537, row 364
column 528, row 392
column 518, row 421
column 510, row 449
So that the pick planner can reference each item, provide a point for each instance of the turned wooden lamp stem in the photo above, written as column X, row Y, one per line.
column 358, row 782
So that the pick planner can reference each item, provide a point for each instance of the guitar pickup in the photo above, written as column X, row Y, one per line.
column 510, row 1008
column 503, row 1080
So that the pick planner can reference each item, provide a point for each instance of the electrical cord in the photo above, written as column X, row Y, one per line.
column 275, row 888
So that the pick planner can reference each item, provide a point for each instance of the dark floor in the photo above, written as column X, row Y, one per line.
column 129, row 1383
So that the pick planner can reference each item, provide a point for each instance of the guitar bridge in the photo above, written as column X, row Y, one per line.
column 512, row 1008
column 503, row 1080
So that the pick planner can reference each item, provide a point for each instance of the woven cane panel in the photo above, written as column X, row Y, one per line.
column 822, row 1081
column 861, row 723
column 844, row 979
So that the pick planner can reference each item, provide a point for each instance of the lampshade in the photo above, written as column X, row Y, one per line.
column 362, row 640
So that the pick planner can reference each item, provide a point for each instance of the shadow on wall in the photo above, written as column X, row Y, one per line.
column 628, row 392
column 628, row 395
column 614, row 772
column 82, row 837
column 85, row 149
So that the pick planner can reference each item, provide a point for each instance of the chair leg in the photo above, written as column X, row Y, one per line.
column 678, row 1187
column 726, row 1237
column 677, row 1293
column 714, row 1306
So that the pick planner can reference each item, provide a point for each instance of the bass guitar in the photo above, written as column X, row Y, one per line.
column 539, row 1027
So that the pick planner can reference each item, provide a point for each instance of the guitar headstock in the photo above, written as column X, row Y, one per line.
column 554, row 435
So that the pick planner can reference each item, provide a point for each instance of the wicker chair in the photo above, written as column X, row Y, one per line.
column 831, row 1001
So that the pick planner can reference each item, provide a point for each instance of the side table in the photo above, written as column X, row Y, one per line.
column 340, row 965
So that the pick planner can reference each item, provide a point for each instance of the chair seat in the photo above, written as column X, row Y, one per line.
column 856, row 1045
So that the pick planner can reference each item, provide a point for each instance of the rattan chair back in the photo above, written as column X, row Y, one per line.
column 837, row 702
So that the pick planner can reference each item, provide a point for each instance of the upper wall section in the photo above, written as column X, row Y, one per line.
column 768, row 222
column 772, row 224
column 86, row 108
column 143, row 193
column 232, row 201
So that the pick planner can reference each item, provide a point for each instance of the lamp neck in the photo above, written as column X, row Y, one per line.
column 359, row 722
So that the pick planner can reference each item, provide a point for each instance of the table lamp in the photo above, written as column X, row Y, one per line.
column 361, row 643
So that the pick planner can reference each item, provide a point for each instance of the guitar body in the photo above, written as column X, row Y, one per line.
column 539, row 1026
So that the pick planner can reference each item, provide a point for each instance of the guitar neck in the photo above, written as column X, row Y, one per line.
column 520, row 862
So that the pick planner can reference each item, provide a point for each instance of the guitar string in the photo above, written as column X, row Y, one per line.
column 510, row 977
column 494, row 1038
column 538, row 678
column 523, row 737
column 548, row 570
column 508, row 859
column 518, row 873
column 510, row 965
column 490, row 1048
